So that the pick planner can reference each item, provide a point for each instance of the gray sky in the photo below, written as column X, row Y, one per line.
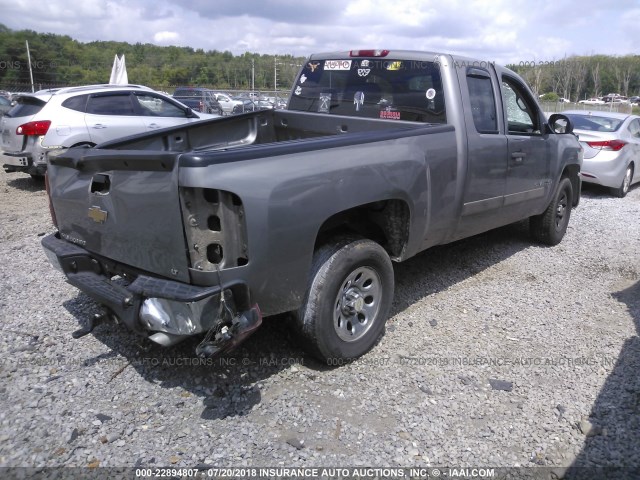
column 504, row 31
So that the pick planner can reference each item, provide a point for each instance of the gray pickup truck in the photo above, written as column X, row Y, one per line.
column 203, row 229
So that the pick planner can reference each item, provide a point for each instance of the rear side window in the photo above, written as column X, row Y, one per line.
column 120, row 104
column 153, row 106
column 384, row 88
column 483, row 102
column 78, row 103
column 25, row 107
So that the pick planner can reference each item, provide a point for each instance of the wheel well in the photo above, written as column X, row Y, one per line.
column 83, row 144
column 572, row 172
column 385, row 222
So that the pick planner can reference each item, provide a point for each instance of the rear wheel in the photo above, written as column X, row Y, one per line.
column 348, row 300
column 551, row 225
column 622, row 190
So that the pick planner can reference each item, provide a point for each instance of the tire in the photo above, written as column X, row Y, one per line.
column 348, row 300
column 549, row 227
column 622, row 190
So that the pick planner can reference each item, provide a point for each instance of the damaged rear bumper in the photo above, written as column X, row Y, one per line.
column 22, row 162
column 166, row 311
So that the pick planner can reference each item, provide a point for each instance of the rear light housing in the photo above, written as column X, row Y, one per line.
column 368, row 53
column 612, row 145
column 201, row 106
column 51, row 210
column 39, row 127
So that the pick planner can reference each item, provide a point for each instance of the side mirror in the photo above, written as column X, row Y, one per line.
column 559, row 123
column 190, row 113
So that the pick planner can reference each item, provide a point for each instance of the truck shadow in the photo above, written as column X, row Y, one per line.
column 610, row 448
column 231, row 385
column 438, row 268
column 27, row 184
column 228, row 386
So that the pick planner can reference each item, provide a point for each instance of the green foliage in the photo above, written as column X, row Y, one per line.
column 58, row 60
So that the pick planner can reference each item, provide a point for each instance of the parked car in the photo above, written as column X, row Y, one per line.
column 635, row 100
column 5, row 105
column 227, row 103
column 615, row 98
column 611, row 143
column 264, row 104
column 68, row 117
column 564, row 100
column 245, row 105
column 198, row 99
column 592, row 101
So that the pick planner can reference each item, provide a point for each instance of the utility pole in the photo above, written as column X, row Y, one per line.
column 253, row 75
column 30, row 70
column 275, row 74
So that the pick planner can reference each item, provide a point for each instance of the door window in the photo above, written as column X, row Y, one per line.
column 154, row 106
column 634, row 128
column 120, row 104
column 522, row 116
column 483, row 102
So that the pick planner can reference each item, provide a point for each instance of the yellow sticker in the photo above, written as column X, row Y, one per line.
column 394, row 65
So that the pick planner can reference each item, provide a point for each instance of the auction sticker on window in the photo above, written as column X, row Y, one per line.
column 337, row 64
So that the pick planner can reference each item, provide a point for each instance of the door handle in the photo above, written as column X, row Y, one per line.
column 99, row 125
column 518, row 156
column 153, row 125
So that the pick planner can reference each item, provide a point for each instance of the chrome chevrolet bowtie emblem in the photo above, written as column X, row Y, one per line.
column 97, row 214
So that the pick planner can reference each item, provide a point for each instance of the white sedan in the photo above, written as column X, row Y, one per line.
column 592, row 101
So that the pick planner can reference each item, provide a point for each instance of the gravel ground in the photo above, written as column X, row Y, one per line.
column 499, row 353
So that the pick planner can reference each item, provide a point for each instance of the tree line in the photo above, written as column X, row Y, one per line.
column 59, row 60
column 579, row 77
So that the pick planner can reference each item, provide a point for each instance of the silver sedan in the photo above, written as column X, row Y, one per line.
column 611, row 143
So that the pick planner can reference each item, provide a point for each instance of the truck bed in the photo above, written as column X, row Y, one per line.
column 254, row 128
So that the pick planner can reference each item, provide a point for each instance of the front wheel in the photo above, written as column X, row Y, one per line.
column 348, row 300
column 622, row 190
column 550, row 226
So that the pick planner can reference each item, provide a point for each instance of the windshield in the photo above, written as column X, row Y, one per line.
column 595, row 123
column 374, row 88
